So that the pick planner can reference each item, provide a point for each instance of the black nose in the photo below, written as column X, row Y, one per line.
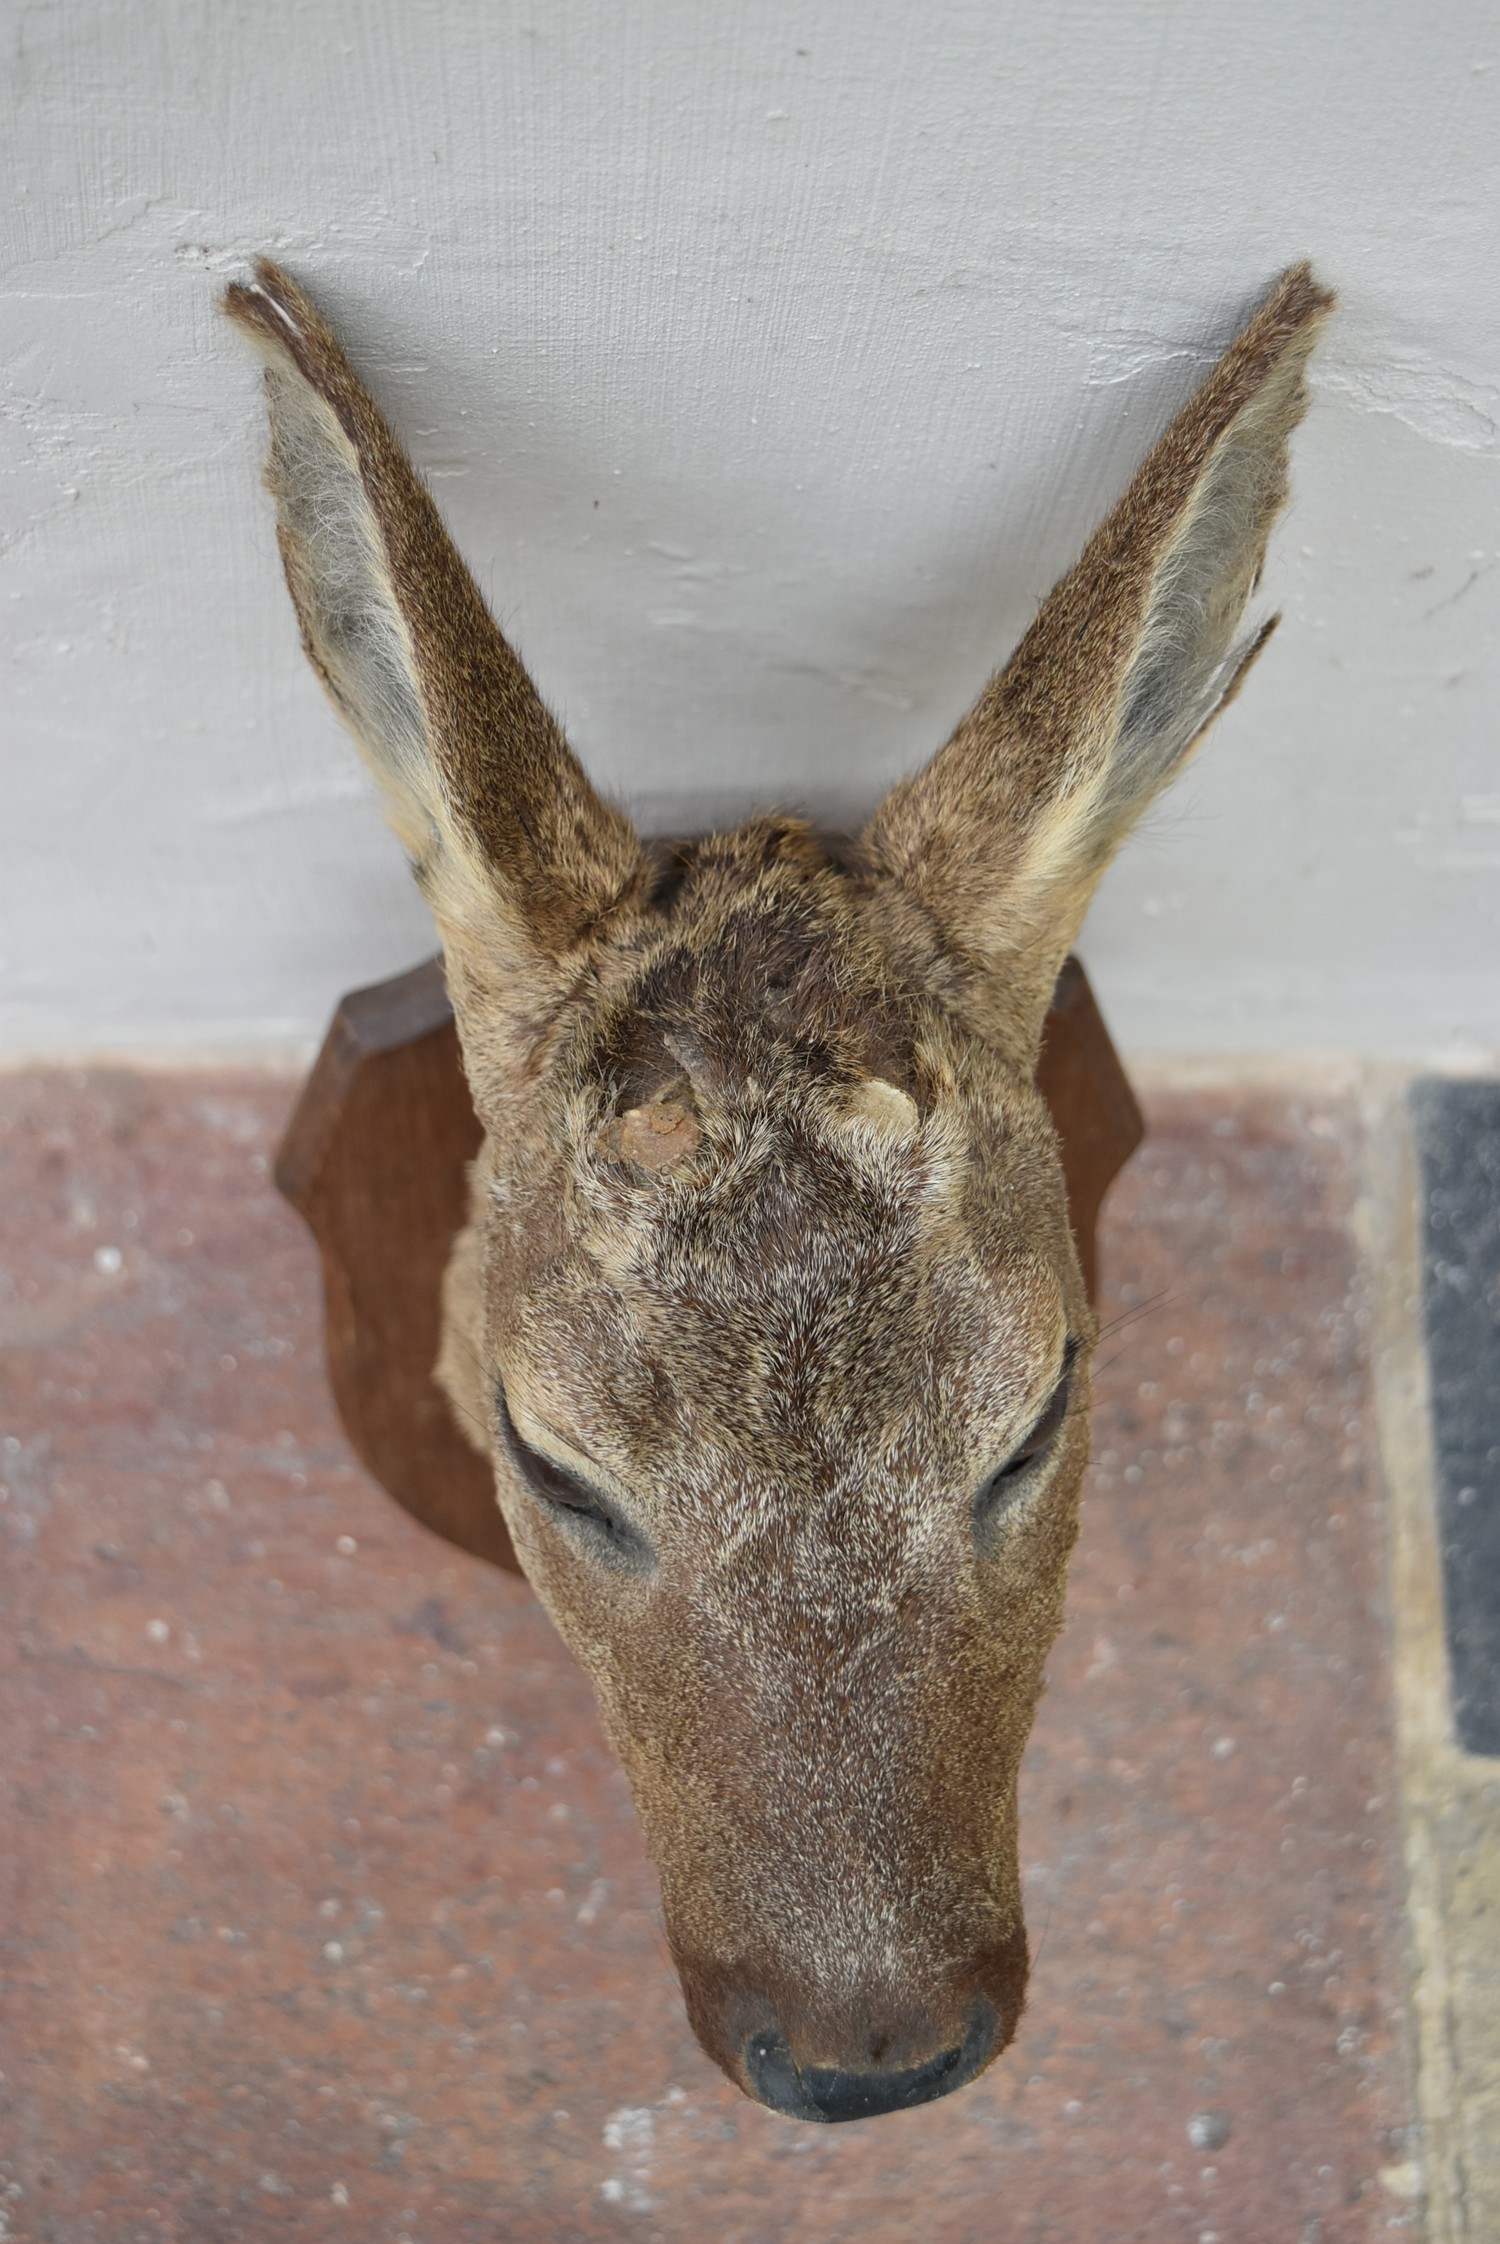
column 828, row 2092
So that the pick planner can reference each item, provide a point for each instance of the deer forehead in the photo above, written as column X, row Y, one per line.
column 781, row 1312
column 763, row 1210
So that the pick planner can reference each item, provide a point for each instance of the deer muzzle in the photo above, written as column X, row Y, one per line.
column 884, row 2049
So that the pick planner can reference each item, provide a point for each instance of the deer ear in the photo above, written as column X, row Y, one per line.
column 1004, row 835
column 520, row 860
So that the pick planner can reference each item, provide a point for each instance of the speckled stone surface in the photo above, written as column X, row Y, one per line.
column 324, row 1911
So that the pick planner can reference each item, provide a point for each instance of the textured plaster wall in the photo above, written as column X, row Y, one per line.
column 769, row 361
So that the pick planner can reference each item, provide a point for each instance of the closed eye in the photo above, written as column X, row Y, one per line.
column 1003, row 1481
column 565, row 1493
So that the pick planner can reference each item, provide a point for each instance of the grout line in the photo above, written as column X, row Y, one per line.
column 287, row 1059
column 288, row 1050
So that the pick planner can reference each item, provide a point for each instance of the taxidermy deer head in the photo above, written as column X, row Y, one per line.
column 768, row 1312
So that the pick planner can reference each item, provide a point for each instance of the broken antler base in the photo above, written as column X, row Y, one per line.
column 375, row 1160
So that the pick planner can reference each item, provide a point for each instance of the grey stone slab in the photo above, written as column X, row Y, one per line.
column 1458, row 1136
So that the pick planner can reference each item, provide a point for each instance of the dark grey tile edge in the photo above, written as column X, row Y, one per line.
column 1457, row 1126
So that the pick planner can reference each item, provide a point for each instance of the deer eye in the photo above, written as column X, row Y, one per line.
column 1004, row 1480
column 564, row 1493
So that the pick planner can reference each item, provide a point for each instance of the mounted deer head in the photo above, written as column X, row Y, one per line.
column 768, row 1313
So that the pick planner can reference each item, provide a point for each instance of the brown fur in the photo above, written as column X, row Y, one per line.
column 769, row 1240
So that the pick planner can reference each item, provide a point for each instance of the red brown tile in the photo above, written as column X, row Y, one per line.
column 325, row 1913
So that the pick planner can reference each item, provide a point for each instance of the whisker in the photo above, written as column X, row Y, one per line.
column 1037, row 1951
column 460, row 1409
column 1138, row 1309
column 1118, row 1357
column 477, row 1423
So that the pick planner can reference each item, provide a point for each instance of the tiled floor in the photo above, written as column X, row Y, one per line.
column 325, row 1915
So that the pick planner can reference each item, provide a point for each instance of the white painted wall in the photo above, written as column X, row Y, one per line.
column 769, row 361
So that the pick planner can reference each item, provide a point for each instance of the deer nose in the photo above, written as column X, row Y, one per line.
column 832, row 2092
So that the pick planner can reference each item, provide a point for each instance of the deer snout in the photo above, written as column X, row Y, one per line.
column 835, row 2092
column 855, row 2057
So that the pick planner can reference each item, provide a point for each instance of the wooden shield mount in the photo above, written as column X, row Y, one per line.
column 375, row 1160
